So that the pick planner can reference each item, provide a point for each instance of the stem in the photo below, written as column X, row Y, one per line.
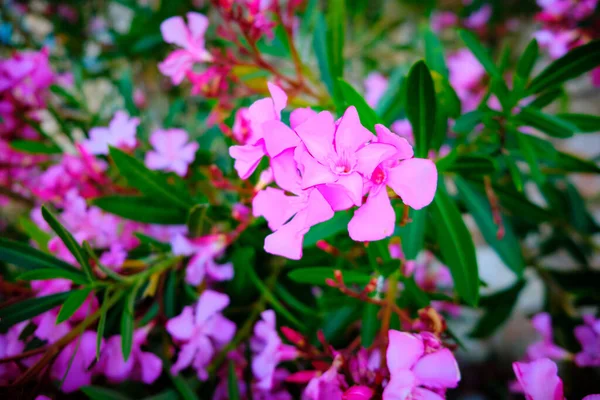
column 390, row 298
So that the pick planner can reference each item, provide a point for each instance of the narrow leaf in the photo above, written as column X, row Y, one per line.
column 528, row 151
column 53, row 273
column 317, row 276
column 336, row 23
column 370, row 325
column 498, row 308
column 585, row 123
column 141, row 209
column 413, row 234
column 351, row 97
column 27, row 309
column 35, row 147
column 421, row 107
column 232, row 382
column 434, row 53
column 72, row 304
column 102, row 393
column 467, row 122
column 480, row 52
column 549, row 124
column 327, row 229
column 527, row 60
column 128, row 324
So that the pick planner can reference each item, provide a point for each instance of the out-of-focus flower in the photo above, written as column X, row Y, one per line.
column 375, row 86
column 201, row 330
column 358, row 393
column 120, row 133
column 441, row 20
column 545, row 348
column 73, row 364
column 10, row 345
column 539, row 380
column 204, row 251
column 327, row 385
column 172, row 152
column 466, row 75
column 479, row 18
column 588, row 335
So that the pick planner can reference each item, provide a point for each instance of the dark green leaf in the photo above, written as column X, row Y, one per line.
column 150, row 241
column 29, row 258
column 456, row 247
column 125, row 85
column 391, row 104
column 336, row 23
column 128, row 324
column 351, row 97
column 102, row 393
column 508, row 247
column 514, row 171
column 421, row 107
column 35, row 147
column 149, row 182
column 467, row 122
column 53, row 273
column 528, row 151
column 413, row 234
column 232, row 382
column 546, row 98
column 72, row 304
column 527, row 60
column 29, row 308
column 370, row 325
column 479, row 52
column 498, row 308
column 434, row 53
column 549, row 124
column 473, row 165
column 585, row 123
column 141, row 209
column 102, row 322
column 327, row 229
column 569, row 163
column 197, row 221
column 69, row 241
column 317, row 276
column 576, row 62
column 320, row 48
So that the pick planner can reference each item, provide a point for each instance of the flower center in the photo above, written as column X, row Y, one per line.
column 378, row 176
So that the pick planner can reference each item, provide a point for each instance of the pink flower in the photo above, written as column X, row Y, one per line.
column 268, row 350
column 418, row 369
column 441, row 20
column 74, row 363
column 358, row 393
column 171, row 151
column 539, row 380
column 141, row 365
column 479, row 18
column 557, row 43
column 10, row 345
column 204, row 251
column 190, row 39
column 326, row 386
column 375, row 86
column 202, row 331
column 545, row 348
column 261, row 111
column 413, row 179
column 120, row 133
column 466, row 75
column 589, row 338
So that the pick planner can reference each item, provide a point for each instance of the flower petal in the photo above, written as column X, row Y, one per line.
column 313, row 172
column 198, row 23
column 285, row 171
column 403, row 351
column 317, row 135
column 375, row 219
column 174, row 31
column 279, row 97
column 404, row 150
column 539, row 380
column 278, row 137
column 415, row 181
column 275, row 206
column 150, row 366
column 299, row 115
column 350, row 134
column 209, row 304
column 370, row 156
column 246, row 158
column 182, row 326
column 438, row 370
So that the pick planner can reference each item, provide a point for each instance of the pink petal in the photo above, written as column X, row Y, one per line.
column 424, row 394
column 350, row 134
column 437, row 370
column 177, row 64
column 150, row 365
column 539, row 380
column 317, row 209
column 222, row 330
column 196, row 269
column 209, row 304
column 174, row 31
column 279, row 97
column 543, row 324
column 400, row 386
column 116, row 368
column 336, row 195
column 403, row 149
column 317, row 135
column 313, row 172
column 278, row 137
column 403, row 351
column 275, row 206
column 246, row 158
column 219, row 272
column 182, row 326
column 156, row 161
column 181, row 246
column 287, row 240
column 375, row 219
column 184, row 357
column 285, row 171
column 369, row 157
column 198, row 23
column 415, row 181
column 353, row 185
column 299, row 115
column 259, row 112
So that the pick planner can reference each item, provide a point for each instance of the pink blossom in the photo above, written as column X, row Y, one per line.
column 114, row 257
column 413, row 179
column 545, row 348
column 375, row 86
column 190, row 39
column 557, row 43
column 596, row 77
column 201, row 330
column 418, row 369
column 466, row 75
column 140, row 366
column 588, row 336
column 120, row 133
column 10, row 345
column 539, row 380
column 261, row 111
column 74, row 362
column 268, row 350
column 441, row 20
column 328, row 385
column 171, row 151
column 479, row 18
column 358, row 393
column 204, row 251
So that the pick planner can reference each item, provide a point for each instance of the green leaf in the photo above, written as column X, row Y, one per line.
column 570, row 163
column 576, row 62
column 35, row 147
column 128, row 324
column 528, row 151
column 317, row 276
column 351, row 97
column 479, row 52
column 72, row 304
column 102, row 393
column 336, row 23
column 183, row 387
column 498, row 308
column 519, row 205
column 434, row 53
column 232, row 382
column 508, row 247
column 149, row 182
column 27, row 309
column 546, row 98
column 102, row 322
column 150, row 241
column 35, row 233
column 29, row 258
column 53, row 273
column 514, row 171
column 527, row 61
column 472, row 165
column 69, row 241
column 391, row 104
column 421, row 107
column 197, row 221
column 549, row 124
column 370, row 325
column 585, row 123
column 320, row 48
column 65, row 94
column 456, row 247
column 141, row 209
column 413, row 234
column 327, row 229
column 467, row 122
column 125, row 85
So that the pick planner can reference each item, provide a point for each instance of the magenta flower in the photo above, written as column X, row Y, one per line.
column 10, row 345
column 190, row 39
column 172, row 152
column 141, row 365
column 268, row 351
column 589, row 338
column 358, row 393
column 328, row 385
column 74, row 363
column 418, row 368
column 466, row 75
column 201, row 331
column 375, row 86
column 120, row 133
column 479, row 18
column 204, row 251
column 261, row 111
column 545, row 348
column 413, row 179
column 441, row 20
column 539, row 380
